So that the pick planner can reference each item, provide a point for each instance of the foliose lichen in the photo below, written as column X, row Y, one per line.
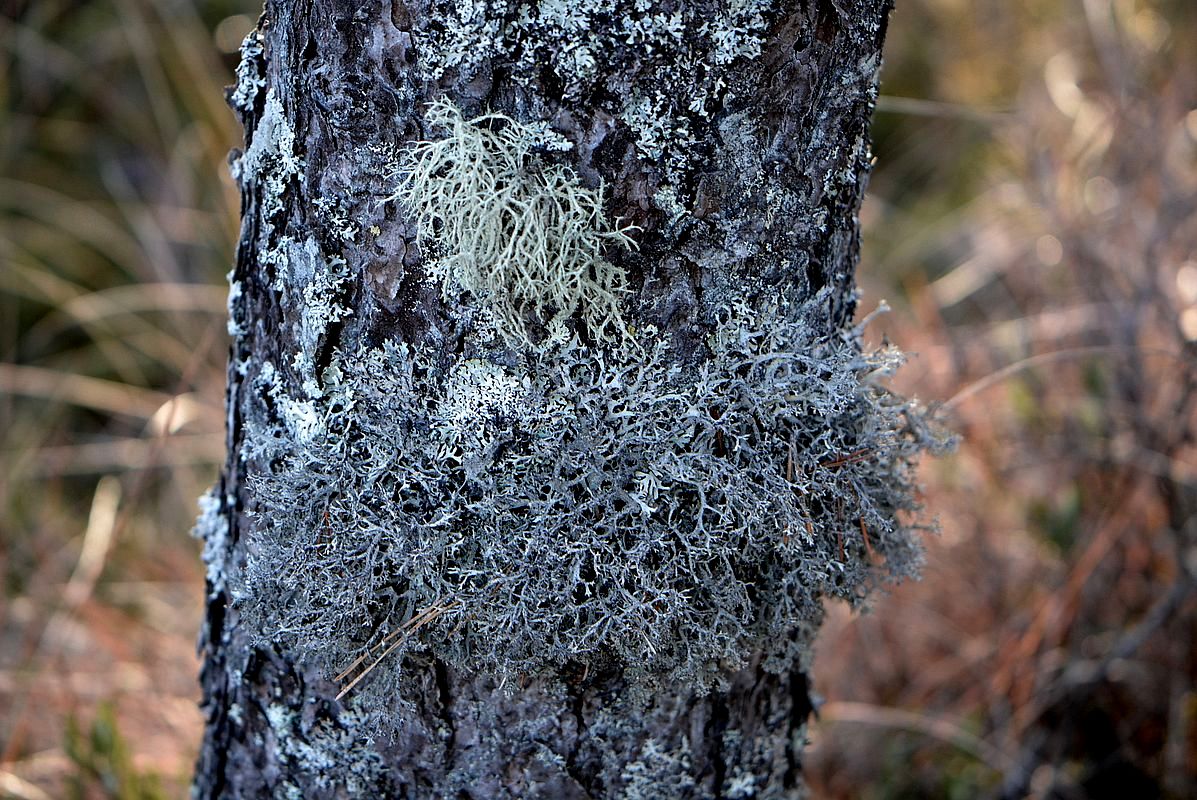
column 327, row 752
column 212, row 528
column 689, row 55
column 250, row 80
column 271, row 159
column 660, row 771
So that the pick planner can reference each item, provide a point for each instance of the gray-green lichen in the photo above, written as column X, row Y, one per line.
column 581, row 505
column 525, row 237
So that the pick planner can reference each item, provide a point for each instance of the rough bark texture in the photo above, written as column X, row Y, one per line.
column 742, row 164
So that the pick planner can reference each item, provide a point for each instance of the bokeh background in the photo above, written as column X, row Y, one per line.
column 1032, row 222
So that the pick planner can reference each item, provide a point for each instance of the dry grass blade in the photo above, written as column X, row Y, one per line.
column 382, row 643
column 1043, row 359
column 19, row 788
column 140, row 298
column 97, row 538
column 80, row 390
column 413, row 624
column 921, row 107
column 125, row 455
column 117, row 222
column 940, row 728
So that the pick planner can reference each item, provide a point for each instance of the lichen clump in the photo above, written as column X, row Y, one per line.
column 524, row 237
column 586, row 505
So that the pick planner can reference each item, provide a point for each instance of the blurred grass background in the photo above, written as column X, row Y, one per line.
column 117, row 225
column 1032, row 221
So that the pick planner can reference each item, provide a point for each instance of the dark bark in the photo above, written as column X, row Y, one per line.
column 768, row 170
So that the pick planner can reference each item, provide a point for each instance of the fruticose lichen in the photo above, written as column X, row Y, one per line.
column 601, row 505
column 533, row 483
column 525, row 237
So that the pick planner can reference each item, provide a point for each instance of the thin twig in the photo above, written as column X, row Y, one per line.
column 400, row 636
column 380, row 644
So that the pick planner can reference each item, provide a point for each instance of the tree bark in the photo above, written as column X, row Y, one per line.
column 734, row 138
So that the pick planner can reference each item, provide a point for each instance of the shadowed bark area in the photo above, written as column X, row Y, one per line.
column 733, row 136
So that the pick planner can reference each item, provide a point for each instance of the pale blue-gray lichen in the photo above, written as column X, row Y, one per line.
column 604, row 506
column 517, row 510
column 250, row 80
column 212, row 528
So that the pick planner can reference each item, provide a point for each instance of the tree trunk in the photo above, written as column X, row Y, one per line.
column 571, row 526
